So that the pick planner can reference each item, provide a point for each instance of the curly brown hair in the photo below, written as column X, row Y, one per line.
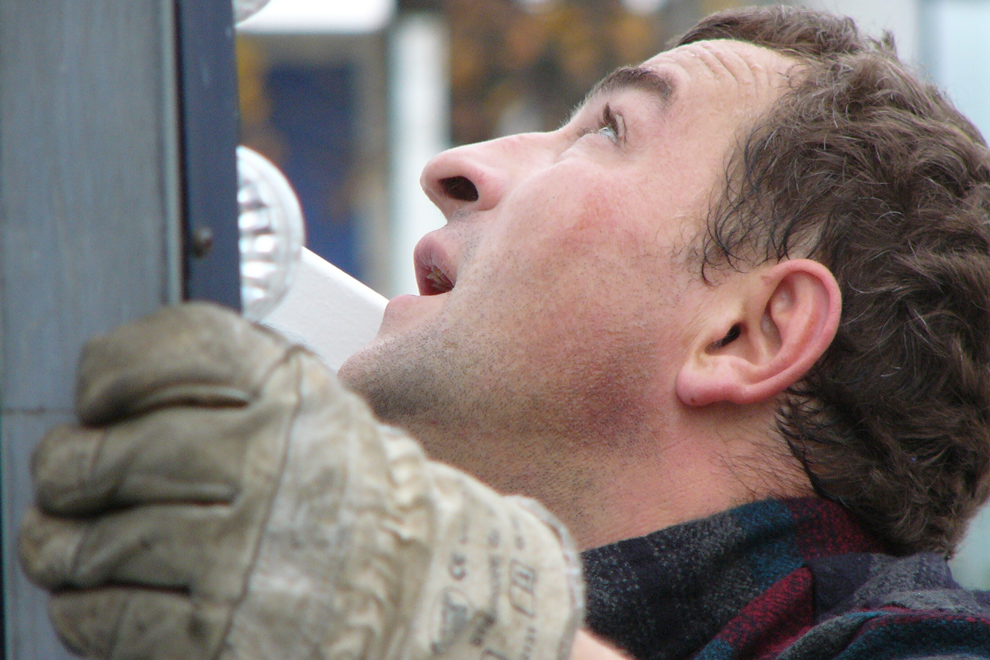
column 872, row 172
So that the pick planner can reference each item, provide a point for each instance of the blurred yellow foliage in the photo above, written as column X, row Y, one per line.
column 546, row 54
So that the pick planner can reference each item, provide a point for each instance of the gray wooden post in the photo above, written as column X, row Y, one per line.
column 91, row 217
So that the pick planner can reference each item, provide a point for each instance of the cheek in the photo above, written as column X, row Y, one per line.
column 581, row 235
column 580, row 255
column 586, row 274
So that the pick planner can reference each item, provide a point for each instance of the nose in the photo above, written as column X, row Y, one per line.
column 463, row 178
column 476, row 176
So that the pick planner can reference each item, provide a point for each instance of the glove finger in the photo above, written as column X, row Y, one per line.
column 127, row 624
column 171, row 455
column 196, row 354
column 170, row 547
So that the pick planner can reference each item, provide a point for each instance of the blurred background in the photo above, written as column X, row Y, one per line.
column 351, row 99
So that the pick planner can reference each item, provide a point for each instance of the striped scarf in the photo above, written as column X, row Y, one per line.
column 794, row 579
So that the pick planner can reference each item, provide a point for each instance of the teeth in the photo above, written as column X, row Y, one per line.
column 439, row 281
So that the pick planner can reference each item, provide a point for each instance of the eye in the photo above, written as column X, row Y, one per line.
column 610, row 125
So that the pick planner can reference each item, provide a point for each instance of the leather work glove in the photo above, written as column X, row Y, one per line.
column 224, row 498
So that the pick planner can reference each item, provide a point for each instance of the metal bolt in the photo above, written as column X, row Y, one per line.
column 202, row 241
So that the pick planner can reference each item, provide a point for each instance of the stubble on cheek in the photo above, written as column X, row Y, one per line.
column 384, row 377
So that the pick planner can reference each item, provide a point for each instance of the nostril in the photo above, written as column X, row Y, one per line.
column 460, row 188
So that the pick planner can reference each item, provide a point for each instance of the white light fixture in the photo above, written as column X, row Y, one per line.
column 244, row 9
column 284, row 285
column 272, row 234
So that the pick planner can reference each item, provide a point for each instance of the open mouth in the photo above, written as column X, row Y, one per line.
column 434, row 274
column 437, row 282
column 436, row 270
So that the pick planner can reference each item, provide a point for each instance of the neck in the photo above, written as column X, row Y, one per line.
column 610, row 485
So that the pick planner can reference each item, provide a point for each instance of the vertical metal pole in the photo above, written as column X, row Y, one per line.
column 88, row 214
column 208, row 120
column 107, row 154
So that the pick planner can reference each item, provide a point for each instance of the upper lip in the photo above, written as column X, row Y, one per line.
column 435, row 272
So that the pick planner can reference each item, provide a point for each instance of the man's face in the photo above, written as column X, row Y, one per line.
column 562, row 292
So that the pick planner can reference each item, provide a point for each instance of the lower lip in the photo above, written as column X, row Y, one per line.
column 408, row 309
column 402, row 301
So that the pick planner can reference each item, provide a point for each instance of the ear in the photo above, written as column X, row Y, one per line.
column 777, row 322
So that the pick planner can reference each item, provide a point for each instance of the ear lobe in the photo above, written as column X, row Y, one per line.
column 787, row 316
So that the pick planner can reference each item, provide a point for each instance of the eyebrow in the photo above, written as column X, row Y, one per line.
column 634, row 77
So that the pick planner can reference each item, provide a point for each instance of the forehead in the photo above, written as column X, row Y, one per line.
column 741, row 77
column 733, row 71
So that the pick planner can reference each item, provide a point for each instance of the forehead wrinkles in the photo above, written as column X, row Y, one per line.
column 757, row 72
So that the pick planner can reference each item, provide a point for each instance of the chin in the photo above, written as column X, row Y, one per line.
column 364, row 374
column 358, row 381
column 351, row 372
